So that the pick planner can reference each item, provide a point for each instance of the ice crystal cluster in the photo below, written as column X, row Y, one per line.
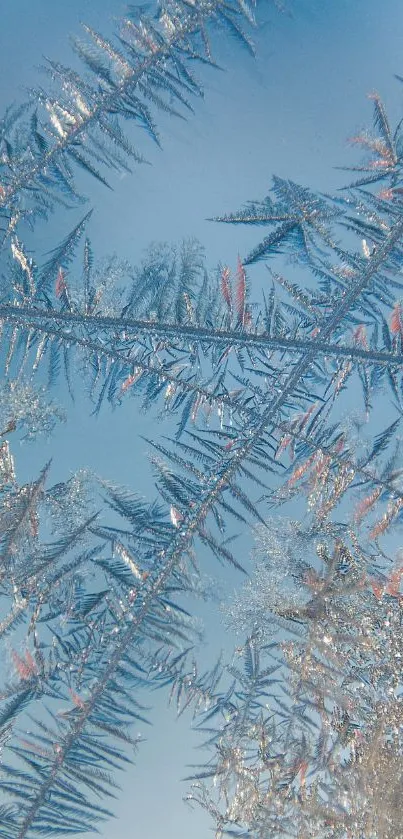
column 28, row 410
column 303, row 728
column 281, row 554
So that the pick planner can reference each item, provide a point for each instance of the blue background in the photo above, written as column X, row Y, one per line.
column 289, row 113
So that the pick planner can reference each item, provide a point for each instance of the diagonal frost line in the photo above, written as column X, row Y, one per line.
column 181, row 541
column 331, row 323
column 203, row 334
column 107, row 100
column 224, row 399
column 35, row 489
column 218, row 480
column 331, row 451
column 162, row 372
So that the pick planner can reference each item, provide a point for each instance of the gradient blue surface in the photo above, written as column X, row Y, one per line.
column 288, row 113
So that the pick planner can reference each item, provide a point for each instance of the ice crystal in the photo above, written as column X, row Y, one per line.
column 27, row 410
column 305, row 722
column 280, row 558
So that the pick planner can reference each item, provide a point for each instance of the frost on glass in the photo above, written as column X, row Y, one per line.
column 278, row 434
